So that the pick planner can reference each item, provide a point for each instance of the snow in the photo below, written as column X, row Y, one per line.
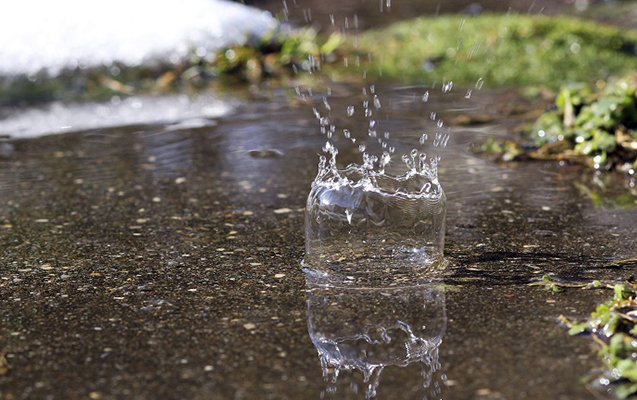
column 49, row 36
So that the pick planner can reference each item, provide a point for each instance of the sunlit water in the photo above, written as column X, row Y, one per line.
column 180, row 110
column 380, row 219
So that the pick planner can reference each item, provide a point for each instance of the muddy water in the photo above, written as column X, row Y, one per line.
column 159, row 261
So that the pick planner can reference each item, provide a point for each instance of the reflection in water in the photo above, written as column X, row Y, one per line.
column 370, row 329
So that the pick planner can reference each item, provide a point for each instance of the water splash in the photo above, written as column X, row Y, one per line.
column 370, row 330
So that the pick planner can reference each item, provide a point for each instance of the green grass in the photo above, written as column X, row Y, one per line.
column 502, row 50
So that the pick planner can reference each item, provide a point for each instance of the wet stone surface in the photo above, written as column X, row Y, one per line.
column 146, row 262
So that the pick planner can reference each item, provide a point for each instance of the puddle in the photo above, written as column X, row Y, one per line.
column 174, row 112
column 208, row 217
column 358, row 331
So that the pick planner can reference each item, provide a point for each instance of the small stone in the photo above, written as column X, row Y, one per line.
column 282, row 211
column 42, row 221
column 282, row 196
column 156, row 199
column 546, row 208
column 279, row 276
column 248, row 213
column 249, row 326
column 180, row 180
column 46, row 267
column 208, row 368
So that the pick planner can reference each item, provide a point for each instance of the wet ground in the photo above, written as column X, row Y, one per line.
column 162, row 261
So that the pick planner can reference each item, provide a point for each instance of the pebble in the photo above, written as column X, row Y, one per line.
column 249, row 326
column 279, row 275
column 282, row 211
column 248, row 213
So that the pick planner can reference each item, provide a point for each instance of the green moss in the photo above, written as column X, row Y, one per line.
column 502, row 50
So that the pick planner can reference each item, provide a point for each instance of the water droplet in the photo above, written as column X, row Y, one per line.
column 368, row 112
column 376, row 102
column 361, row 148
column 350, row 111
column 386, row 135
column 468, row 94
column 385, row 159
column 346, row 133
column 414, row 153
column 327, row 105
column 437, row 139
column 425, row 97
column 479, row 84
column 432, row 116
column 441, row 140
column 440, row 123
column 446, row 87
column 348, row 214
column 424, row 138
column 392, row 150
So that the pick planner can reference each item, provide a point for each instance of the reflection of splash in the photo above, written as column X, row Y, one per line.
column 370, row 329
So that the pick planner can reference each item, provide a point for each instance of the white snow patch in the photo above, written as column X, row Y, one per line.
column 51, row 35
